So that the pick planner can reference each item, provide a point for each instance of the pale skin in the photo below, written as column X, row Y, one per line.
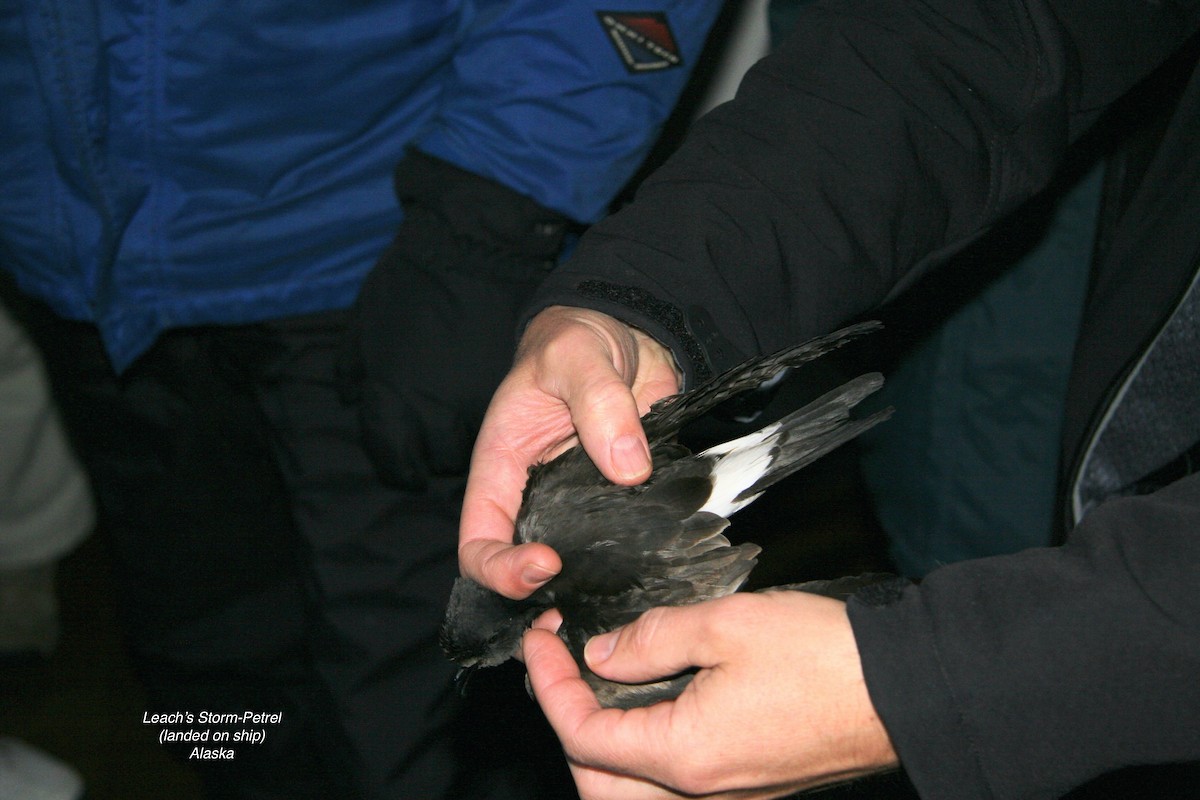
column 779, row 703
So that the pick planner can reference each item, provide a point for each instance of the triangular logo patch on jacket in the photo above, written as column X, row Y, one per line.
column 643, row 39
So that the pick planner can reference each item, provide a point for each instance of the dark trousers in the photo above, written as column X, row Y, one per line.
column 263, row 565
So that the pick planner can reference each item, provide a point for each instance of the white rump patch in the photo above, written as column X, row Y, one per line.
column 740, row 463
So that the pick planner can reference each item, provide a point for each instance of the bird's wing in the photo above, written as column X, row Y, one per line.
column 627, row 549
column 693, row 562
column 839, row 588
column 667, row 416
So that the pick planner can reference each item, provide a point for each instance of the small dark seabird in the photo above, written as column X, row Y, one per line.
column 626, row 549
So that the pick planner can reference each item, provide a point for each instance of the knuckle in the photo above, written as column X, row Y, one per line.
column 729, row 617
column 640, row 637
column 604, row 393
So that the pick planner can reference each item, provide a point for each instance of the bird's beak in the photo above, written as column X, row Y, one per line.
column 462, row 677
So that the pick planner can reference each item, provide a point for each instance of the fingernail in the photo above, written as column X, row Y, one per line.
column 629, row 456
column 599, row 648
column 536, row 575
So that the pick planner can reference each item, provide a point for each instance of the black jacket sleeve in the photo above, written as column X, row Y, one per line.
column 1027, row 675
column 880, row 137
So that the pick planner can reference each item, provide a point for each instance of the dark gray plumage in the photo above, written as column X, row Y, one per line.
column 626, row 549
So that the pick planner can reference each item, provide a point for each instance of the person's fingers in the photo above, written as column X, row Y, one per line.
column 514, row 571
column 568, row 702
column 662, row 642
column 486, row 553
column 507, row 445
column 607, row 746
column 610, row 430
column 550, row 620
column 555, row 679
column 618, row 416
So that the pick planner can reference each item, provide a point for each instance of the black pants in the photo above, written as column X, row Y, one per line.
column 262, row 564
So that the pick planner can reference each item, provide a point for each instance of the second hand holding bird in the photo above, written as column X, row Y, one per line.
column 778, row 706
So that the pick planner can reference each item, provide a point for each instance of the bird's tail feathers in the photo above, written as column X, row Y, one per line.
column 749, row 465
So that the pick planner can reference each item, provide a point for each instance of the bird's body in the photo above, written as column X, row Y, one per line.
column 626, row 549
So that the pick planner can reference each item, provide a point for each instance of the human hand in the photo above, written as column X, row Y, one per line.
column 577, row 373
column 779, row 704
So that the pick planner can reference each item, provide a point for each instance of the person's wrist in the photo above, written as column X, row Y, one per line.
column 649, row 347
column 867, row 742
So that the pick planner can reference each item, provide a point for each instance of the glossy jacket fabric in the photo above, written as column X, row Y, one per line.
column 173, row 164
column 881, row 138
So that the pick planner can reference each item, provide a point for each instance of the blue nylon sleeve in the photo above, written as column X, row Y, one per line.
column 562, row 101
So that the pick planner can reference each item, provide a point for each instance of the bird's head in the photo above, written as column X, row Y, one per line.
column 482, row 628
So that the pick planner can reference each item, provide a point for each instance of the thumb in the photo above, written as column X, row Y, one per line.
column 662, row 642
column 605, row 416
column 591, row 362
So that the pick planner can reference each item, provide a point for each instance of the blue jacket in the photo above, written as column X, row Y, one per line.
column 172, row 164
